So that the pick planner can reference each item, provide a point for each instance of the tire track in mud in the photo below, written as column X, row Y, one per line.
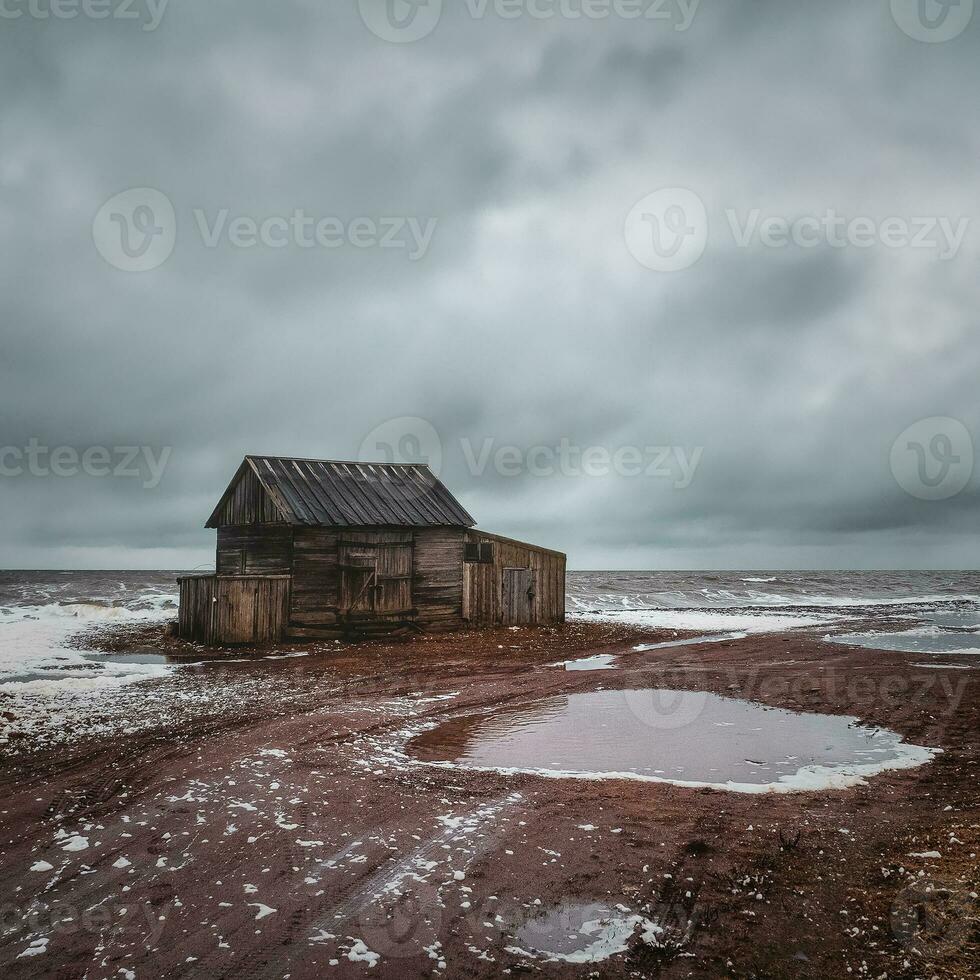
column 366, row 911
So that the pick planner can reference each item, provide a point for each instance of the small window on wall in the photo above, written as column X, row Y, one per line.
column 478, row 551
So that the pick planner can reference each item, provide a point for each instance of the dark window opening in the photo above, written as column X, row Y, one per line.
column 478, row 551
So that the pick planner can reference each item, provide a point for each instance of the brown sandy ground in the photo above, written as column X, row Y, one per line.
column 255, row 819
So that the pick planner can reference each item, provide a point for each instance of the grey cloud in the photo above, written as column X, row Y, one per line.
column 528, row 321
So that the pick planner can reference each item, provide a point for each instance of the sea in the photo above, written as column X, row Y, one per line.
column 928, row 613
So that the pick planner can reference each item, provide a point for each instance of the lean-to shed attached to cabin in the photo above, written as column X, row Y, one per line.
column 311, row 549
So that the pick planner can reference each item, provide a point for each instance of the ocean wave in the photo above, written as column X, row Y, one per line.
column 36, row 658
column 694, row 619
column 148, row 606
column 727, row 599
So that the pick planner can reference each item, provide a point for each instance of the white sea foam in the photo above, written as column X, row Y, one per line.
column 807, row 779
column 608, row 936
column 37, row 661
column 923, row 639
column 706, row 620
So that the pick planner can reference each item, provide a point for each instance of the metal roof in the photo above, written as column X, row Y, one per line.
column 323, row 492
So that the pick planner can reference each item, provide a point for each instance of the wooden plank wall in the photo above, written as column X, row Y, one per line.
column 251, row 609
column 316, row 581
column 389, row 553
column 483, row 581
column 438, row 584
column 422, row 576
column 195, row 615
column 233, row 609
column 434, row 591
column 249, row 504
column 258, row 549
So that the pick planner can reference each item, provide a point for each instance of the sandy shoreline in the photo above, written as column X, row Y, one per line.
column 262, row 807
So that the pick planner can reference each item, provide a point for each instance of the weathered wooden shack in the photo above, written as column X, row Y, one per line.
column 320, row 549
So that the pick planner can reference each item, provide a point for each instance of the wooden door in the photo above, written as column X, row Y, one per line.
column 517, row 596
column 236, row 610
column 376, row 573
column 394, row 584
column 358, row 582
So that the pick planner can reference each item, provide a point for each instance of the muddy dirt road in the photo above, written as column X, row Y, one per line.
column 262, row 819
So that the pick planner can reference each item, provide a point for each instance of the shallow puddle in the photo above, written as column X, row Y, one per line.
column 691, row 641
column 581, row 932
column 923, row 639
column 610, row 661
column 684, row 737
column 601, row 661
column 134, row 657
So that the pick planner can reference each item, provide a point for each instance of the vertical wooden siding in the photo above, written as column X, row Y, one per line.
column 483, row 581
column 418, row 570
column 233, row 610
column 249, row 504
column 257, row 549
column 195, row 616
column 418, row 574
column 316, row 579
column 438, row 582
column 383, row 560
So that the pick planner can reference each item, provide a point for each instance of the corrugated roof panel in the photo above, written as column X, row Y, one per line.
column 340, row 494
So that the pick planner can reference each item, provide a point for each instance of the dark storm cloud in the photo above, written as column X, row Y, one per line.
column 526, row 322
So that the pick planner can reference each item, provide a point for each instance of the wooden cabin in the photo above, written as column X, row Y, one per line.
column 319, row 549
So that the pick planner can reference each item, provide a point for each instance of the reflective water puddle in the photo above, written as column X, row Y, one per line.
column 601, row 661
column 610, row 661
column 691, row 641
column 688, row 738
column 939, row 632
column 935, row 639
column 582, row 932
column 133, row 657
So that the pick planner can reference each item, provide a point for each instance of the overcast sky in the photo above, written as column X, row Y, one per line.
column 481, row 273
